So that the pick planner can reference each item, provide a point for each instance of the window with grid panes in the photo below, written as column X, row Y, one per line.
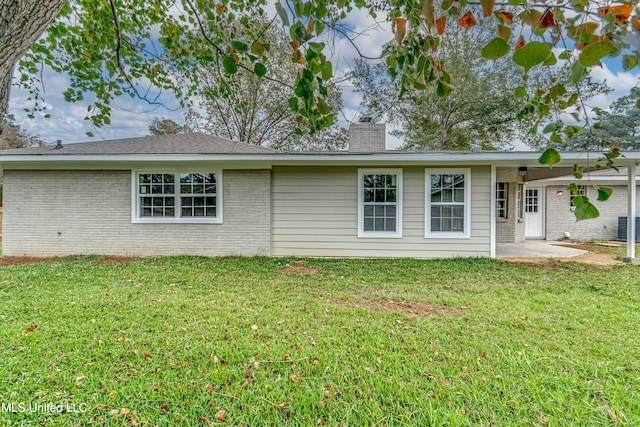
column 177, row 197
column 502, row 192
column 157, row 194
column 447, row 207
column 198, row 195
column 380, row 208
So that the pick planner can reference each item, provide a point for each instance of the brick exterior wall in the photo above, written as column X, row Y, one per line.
column 55, row 213
column 367, row 137
column 510, row 229
column 560, row 217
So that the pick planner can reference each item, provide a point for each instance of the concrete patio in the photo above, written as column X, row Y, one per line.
column 536, row 248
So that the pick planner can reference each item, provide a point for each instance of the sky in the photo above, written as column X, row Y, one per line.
column 131, row 117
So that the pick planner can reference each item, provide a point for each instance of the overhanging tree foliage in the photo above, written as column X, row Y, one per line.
column 479, row 113
column 620, row 126
column 21, row 23
column 111, row 47
column 258, row 111
column 13, row 136
column 165, row 126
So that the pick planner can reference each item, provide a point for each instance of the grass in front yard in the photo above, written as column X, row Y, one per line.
column 237, row 341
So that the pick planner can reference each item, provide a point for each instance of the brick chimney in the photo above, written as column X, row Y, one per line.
column 366, row 136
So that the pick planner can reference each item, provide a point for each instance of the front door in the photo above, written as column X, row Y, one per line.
column 534, row 213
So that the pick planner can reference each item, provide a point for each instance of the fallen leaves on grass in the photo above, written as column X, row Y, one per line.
column 410, row 308
column 8, row 261
column 221, row 415
column 114, row 260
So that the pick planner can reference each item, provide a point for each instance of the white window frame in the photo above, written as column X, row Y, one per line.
column 135, row 199
column 504, row 200
column 466, row 234
column 399, row 192
column 520, row 202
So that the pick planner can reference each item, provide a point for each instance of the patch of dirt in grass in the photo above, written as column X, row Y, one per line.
column 410, row 308
column 114, row 260
column 300, row 271
column 296, row 269
column 8, row 261
column 596, row 254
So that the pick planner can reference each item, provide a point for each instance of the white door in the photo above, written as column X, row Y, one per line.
column 534, row 213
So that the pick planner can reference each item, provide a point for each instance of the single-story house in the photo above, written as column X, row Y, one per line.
column 202, row 195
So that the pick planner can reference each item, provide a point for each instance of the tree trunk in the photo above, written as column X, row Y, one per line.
column 21, row 23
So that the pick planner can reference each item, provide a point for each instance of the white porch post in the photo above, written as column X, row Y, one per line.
column 492, row 227
column 631, row 214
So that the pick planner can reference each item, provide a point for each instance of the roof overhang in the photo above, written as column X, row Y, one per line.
column 586, row 180
column 268, row 160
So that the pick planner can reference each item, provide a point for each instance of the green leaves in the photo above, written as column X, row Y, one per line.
column 257, row 48
column 495, row 49
column 550, row 157
column 443, row 90
column 552, row 127
column 532, row 54
column 259, row 69
column 584, row 208
column 630, row 61
column 593, row 53
column 229, row 65
column 239, row 46
column 604, row 193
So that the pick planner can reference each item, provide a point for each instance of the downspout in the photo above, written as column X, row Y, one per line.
column 631, row 216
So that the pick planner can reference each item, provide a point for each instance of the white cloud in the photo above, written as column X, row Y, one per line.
column 620, row 82
column 129, row 117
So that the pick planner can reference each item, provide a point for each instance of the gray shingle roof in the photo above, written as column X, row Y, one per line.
column 191, row 143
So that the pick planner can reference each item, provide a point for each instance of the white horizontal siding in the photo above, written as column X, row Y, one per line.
column 314, row 212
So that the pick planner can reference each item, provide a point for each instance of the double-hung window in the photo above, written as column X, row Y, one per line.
column 380, row 203
column 448, row 203
column 177, row 197
column 502, row 200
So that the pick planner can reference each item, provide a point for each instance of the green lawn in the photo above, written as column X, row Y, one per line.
column 175, row 341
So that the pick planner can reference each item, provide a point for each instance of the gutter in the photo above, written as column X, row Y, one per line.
column 512, row 159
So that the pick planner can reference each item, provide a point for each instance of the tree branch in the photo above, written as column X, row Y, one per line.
column 121, row 67
column 219, row 50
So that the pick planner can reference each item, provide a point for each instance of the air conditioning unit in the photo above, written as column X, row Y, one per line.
column 622, row 228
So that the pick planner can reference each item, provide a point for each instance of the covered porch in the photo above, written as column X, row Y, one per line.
column 521, row 205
